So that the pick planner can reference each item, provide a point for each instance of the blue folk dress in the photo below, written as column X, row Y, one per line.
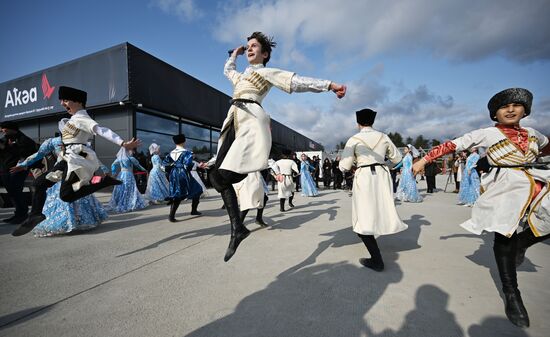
column 469, row 185
column 306, row 180
column 63, row 217
column 182, row 184
column 157, row 184
column 126, row 196
column 406, row 190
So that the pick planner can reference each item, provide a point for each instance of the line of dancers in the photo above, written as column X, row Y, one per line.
column 515, row 204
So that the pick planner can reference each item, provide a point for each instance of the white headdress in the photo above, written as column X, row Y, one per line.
column 414, row 152
column 154, row 148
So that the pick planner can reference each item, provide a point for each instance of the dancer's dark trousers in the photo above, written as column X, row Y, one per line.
column 66, row 192
column 430, row 181
column 223, row 179
column 13, row 182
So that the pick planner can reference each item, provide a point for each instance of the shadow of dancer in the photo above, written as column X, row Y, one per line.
column 495, row 327
column 430, row 317
column 321, row 300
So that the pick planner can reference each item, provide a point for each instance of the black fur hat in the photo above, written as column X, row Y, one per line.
column 507, row 96
column 365, row 117
column 73, row 94
column 178, row 139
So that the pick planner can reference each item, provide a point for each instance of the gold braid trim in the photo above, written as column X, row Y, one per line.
column 69, row 131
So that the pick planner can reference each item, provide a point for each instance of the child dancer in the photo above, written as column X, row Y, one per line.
column 78, row 160
column 182, row 185
column 515, row 204
column 406, row 190
column 126, row 197
column 157, row 184
column 373, row 209
column 245, row 138
column 63, row 217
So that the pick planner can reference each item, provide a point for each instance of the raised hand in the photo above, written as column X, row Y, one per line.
column 338, row 89
column 132, row 144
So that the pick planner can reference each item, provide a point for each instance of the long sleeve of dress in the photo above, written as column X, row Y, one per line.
column 137, row 165
column 45, row 148
column 114, row 166
column 157, row 162
column 472, row 161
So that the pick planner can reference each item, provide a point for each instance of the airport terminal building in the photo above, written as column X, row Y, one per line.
column 136, row 95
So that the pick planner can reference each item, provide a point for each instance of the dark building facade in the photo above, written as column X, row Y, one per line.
column 136, row 95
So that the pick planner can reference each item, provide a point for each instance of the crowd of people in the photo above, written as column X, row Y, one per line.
column 514, row 205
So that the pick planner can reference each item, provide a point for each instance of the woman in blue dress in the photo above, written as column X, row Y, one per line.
column 469, row 186
column 157, row 184
column 62, row 217
column 406, row 190
column 126, row 197
column 306, row 180
column 182, row 185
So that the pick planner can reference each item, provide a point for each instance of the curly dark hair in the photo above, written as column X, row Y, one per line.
column 266, row 42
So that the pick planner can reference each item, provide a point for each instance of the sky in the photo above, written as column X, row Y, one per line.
column 427, row 67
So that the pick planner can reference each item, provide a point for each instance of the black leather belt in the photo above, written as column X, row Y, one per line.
column 243, row 100
column 372, row 167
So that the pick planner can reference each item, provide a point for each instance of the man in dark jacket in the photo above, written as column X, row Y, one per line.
column 297, row 178
column 14, row 146
column 337, row 174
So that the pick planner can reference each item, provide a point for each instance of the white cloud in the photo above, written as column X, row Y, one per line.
column 185, row 10
column 414, row 112
column 456, row 30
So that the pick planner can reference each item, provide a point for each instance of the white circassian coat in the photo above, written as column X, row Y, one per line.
column 373, row 208
column 288, row 169
column 250, row 149
column 507, row 195
column 251, row 190
column 79, row 130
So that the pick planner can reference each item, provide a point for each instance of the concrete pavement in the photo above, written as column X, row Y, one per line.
column 140, row 275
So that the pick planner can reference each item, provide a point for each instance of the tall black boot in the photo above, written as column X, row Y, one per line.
column 238, row 230
column 259, row 215
column 259, row 218
column 505, row 257
column 375, row 262
column 282, row 203
column 243, row 215
column 290, row 201
column 525, row 240
column 194, row 205
column 173, row 208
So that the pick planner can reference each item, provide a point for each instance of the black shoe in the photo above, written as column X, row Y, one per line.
column 369, row 263
column 235, row 242
column 291, row 205
column 196, row 213
column 515, row 310
column 28, row 224
column 261, row 223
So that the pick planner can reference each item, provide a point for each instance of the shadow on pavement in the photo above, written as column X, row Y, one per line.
column 430, row 317
column 497, row 327
column 10, row 320
column 319, row 300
